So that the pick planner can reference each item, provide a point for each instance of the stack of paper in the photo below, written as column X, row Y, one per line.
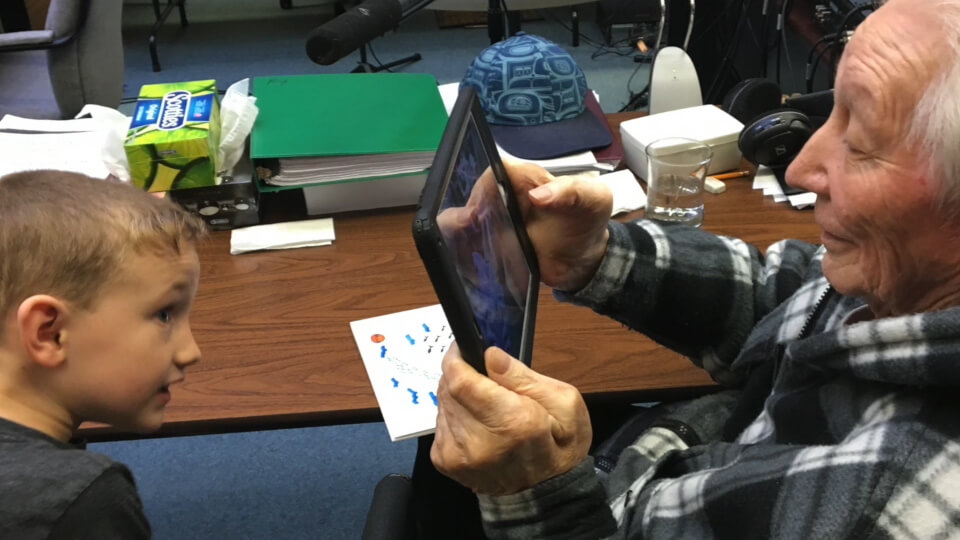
column 767, row 181
column 67, row 145
column 329, row 128
column 299, row 171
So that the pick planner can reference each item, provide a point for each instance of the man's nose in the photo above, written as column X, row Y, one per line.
column 807, row 171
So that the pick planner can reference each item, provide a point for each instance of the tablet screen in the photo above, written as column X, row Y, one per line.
column 480, row 236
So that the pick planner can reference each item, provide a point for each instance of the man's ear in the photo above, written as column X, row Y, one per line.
column 41, row 320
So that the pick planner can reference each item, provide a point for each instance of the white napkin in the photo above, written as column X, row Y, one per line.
column 627, row 193
column 294, row 234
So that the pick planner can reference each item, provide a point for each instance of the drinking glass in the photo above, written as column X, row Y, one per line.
column 676, row 168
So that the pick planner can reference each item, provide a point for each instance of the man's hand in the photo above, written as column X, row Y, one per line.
column 511, row 431
column 566, row 221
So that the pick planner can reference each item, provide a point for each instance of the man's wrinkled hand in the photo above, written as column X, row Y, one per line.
column 507, row 432
column 566, row 221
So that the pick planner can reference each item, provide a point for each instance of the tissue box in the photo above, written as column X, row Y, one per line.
column 706, row 123
column 173, row 137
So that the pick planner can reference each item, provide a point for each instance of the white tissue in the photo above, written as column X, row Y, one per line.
column 112, row 125
column 295, row 234
column 627, row 193
column 238, row 110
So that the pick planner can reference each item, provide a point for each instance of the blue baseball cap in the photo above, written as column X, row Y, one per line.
column 534, row 98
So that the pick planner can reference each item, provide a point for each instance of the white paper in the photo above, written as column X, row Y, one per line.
column 569, row 162
column 765, row 180
column 11, row 122
column 802, row 200
column 402, row 353
column 448, row 94
column 75, row 152
column 91, row 143
column 290, row 235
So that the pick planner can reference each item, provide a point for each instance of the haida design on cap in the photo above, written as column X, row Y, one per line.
column 534, row 97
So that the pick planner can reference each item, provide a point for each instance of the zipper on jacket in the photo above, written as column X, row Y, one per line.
column 817, row 310
column 627, row 516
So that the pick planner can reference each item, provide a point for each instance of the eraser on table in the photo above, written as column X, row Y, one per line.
column 713, row 185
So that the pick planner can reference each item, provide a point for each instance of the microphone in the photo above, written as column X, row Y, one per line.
column 352, row 29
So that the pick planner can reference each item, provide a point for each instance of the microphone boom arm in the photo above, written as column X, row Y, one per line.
column 357, row 26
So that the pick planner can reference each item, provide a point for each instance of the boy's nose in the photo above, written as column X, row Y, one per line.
column 188, row 354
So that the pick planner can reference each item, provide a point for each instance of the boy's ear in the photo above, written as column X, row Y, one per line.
column 41, row 320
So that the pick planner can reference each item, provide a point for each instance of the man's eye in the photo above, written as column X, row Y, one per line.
column 851, row 148
column 165, row 315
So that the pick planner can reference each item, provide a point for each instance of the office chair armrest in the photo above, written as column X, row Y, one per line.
column 27, row 40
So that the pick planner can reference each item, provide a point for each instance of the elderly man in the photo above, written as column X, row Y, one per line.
column 846, row 357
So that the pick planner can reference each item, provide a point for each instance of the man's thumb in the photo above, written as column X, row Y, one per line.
column 511, row 373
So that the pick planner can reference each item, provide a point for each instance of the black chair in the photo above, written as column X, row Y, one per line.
column 390, row 510
column 428, row 506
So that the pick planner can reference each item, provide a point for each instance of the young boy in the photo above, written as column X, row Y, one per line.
column 96, row 284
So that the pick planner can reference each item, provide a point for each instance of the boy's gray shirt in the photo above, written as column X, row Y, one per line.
column 855, row 434
column 50, row 489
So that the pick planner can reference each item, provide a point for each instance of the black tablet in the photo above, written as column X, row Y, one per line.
column 471, row 237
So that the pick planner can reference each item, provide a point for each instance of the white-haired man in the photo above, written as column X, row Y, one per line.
column 845, row 358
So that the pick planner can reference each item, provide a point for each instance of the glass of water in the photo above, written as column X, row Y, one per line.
column 676, row 168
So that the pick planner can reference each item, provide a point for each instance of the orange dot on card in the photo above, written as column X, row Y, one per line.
column 377, row 338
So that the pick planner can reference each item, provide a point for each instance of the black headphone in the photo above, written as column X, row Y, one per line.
column 772, row 135
column 775, row 138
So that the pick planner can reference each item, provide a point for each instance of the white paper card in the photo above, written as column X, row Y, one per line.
column 402, row 354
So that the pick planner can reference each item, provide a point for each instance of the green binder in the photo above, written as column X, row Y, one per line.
column 308, row 116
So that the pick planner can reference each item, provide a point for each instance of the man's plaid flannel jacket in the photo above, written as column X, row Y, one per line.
column 856, row 431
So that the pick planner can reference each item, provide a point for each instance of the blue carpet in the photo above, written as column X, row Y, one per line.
column 283, row 484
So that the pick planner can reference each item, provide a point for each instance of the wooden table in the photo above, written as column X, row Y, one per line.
column 278, row 352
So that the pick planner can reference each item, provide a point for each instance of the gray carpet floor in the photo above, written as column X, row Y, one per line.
column 317, row 482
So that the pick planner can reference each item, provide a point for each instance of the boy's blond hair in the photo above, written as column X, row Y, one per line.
column 67, row 235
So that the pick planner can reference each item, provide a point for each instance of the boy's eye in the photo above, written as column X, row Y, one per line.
column 164, row 315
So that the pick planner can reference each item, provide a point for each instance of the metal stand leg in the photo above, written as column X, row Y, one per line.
column 161, row 18
column 495, row 25
column 367, row 67
column 575, row 20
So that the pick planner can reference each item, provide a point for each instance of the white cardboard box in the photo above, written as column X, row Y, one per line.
column 706, row 123
column 364, row 194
